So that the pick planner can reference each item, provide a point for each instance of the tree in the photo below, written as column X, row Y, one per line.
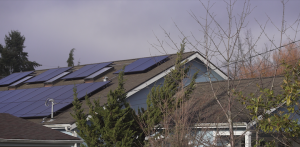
column 113, row 124
column 70, row 60
column 283, row 123
column 164, row 103
column 265, row 67
column 13, row 58
column 220, row 41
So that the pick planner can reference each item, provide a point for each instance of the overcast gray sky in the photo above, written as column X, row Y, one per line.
column 108, row 30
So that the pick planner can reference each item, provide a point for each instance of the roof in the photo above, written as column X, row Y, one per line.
column 17, row 128
column 209, row 111
column 132, row 81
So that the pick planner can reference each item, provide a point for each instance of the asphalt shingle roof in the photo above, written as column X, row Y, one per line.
column 132, row 81
column 209, row 110
column 17, row 128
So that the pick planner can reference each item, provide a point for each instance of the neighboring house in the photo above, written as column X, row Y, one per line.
column 212, row 118
column 19, row 132
column 24, row 94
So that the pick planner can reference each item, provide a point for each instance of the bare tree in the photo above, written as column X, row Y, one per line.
column 240, row 56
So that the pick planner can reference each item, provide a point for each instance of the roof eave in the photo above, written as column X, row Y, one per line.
column 40, row 141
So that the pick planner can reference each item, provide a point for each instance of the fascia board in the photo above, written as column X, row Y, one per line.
column 40, row 141
column 164, row 73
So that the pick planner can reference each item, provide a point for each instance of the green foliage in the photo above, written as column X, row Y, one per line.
column 285, row 119
column 111, row 125
column 70, row 60
column 162, row 100
column 12, row 57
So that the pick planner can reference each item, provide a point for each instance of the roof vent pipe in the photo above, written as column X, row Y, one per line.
column 52, row 103
column 105, row 79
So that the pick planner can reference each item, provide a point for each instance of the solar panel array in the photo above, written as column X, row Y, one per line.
column 20, row 81
column 31, row 102
column 57, row 77
column 143, row 64
column 14, row 77
column 86, row 71
column 98, row 72
column 47, row 75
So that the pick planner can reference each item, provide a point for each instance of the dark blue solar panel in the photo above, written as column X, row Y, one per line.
column 79, row 71
column 19, row 107
column 13, row 94
column 92, row 88
column 9, row 77
column 16, row 77
column 34, row 94
column 134, row 64
column 70, row 93
column 30, row 109
column 21, row 96
column 30, row 102
column 153, row 61
column 86, row 70
column 2, row 95
column 8, row 106
column 82, row 89
column 48, row 75
column 44, row 95
column 55, row 73
column 56, row 107
column 93, row 70
column 61, row 91
column 40, row 109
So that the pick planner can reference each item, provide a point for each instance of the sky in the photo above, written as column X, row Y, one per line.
column 109, row 30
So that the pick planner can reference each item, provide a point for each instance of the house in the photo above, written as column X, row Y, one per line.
column 25, row 94
column 20, row 132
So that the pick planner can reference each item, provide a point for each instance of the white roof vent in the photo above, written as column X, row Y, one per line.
column 105, row 79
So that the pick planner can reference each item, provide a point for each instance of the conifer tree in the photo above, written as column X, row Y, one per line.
column 161, row 101
column 111, row 125
column 12, row 56
column 70, row 60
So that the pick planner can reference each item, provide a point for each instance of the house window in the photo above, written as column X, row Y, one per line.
column 224, row 141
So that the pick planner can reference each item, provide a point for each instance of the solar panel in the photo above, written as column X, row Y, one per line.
column 68, row 94
column 44, row 95
column 12, row 94
column 18, row 107
column 25, row 112
column 30, row 102
column 86, row 70
column 14, row 77
column 98, row 72
column 142, row 64
column 92, row 88
column 153, row 61
column 3, row 94
column 8, row 106
column 57, row 77
column 9, row 77
column 93, row 70
column 65, row 102
column 20, row 81
column 47, row 75
column 21, row 96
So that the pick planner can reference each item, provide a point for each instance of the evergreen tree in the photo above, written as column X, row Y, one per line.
column 13, row 58
column 161, row 101
column 70, row 60
column 113, row 124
